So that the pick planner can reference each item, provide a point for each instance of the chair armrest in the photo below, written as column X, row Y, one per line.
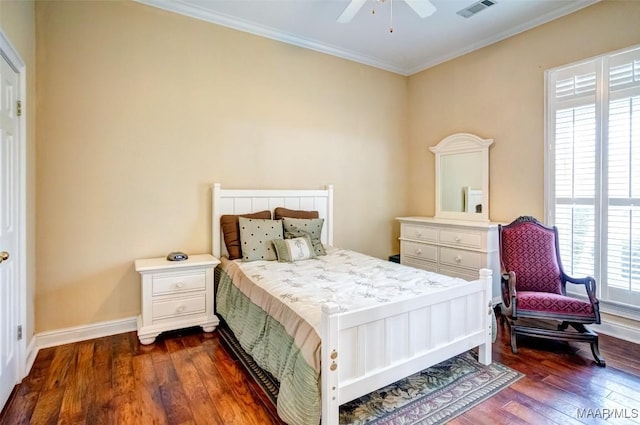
column 508, row 290
column 576, row 280
column 508, row 283
column 588, row 282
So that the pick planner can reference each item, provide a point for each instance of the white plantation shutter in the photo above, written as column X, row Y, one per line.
column 623, row 178
column 573, row 95
column 593, row 167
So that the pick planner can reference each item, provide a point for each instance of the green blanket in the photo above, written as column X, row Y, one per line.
column 274, row 350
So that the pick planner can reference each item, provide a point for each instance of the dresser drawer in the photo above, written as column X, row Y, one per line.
column 419, row 263
column 465, row 238
column 419, row 250
column 422, row 233
column 178, row 307
column 461, row 258
column 172, row 283
column 457, row 272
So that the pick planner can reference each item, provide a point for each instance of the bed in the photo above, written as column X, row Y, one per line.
column 361, row 346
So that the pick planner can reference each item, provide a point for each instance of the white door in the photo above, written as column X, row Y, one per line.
column 9, row 229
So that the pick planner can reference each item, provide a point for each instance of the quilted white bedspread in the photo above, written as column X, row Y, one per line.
column 347, row 278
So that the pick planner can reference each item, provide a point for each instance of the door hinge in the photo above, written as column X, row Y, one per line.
column 19, row 108
column 19, row 332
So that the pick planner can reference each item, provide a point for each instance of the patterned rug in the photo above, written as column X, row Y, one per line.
column 433, row 396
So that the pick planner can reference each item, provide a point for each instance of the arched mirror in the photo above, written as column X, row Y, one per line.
column 462, row 177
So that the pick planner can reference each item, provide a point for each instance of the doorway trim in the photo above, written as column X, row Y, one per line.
column 15, row 61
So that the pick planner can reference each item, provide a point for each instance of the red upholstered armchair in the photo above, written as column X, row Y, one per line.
column 534, row 287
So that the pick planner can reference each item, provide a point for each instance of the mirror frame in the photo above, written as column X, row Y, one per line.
column 463, row 143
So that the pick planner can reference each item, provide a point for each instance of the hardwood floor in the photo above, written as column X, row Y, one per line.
column 188, row 377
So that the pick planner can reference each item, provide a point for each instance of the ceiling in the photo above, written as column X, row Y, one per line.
column 414, row 45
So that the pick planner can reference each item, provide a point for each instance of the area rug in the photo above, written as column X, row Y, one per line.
column 433, row 396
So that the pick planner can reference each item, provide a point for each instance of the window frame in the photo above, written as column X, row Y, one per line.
column 602, row 101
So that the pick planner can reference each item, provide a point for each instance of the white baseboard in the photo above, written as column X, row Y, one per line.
column 75, row 334
column 30, row 356
column 84, row 332
column 618, row 330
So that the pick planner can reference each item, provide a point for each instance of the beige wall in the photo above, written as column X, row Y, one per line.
column 140, row 111
column 17, row 20
column 498, row 92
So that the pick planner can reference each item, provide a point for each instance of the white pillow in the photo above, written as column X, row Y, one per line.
column 295, row 249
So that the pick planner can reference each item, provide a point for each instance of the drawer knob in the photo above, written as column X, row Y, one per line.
column 181, row 308
column 180, row 285
column 418, row 251
column 419, row 233
column 458, row 238
column 458, row 258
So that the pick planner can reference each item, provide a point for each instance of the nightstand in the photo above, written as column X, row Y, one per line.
column 176, row 294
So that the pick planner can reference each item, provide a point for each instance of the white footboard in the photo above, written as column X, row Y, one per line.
column 366, row 349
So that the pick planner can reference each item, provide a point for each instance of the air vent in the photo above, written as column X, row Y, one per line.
column 475, row 8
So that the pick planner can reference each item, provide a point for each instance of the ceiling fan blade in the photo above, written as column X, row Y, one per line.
column 350, row 11
column 423, row 8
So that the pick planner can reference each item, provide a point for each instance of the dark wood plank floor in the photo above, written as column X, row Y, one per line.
column 188, row 377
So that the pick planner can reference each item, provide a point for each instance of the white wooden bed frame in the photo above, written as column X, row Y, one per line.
column 366, row 349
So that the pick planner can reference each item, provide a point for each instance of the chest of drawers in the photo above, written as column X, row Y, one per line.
column 450, row 247
column 176, row 294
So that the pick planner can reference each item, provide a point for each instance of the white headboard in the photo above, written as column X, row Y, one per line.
column 243, row 201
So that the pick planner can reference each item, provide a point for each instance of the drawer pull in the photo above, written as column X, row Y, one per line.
column 418, row 233
column 458, row 258
column 418, row 251
column 458, row 238
column 181, row 308
column 180, row 285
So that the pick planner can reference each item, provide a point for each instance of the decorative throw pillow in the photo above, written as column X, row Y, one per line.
column 256, row 238
column 297, row 227
column 231, row 231
column 296, row 249
column 281, row 212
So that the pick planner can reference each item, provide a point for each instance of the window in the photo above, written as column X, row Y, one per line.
column 593, row 171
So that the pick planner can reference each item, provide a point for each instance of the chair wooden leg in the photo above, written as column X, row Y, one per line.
column 497, row 311
column 596, row 353
column 514, row 346
column 594, row 343
column 578, row 326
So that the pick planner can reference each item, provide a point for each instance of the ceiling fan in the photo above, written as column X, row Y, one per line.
column 423, row 8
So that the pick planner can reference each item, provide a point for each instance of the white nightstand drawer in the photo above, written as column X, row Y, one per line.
column 419, row 250
column 422, row 233
column 178, row 307
column 458, row 257
column 466, row 238
column 170, row 283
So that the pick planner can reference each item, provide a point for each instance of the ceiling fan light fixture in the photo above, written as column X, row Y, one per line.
column 350, row 11
column 422, row 8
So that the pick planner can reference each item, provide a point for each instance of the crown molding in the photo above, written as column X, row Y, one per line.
column 542, row 19
column 197, row 12
column 232, row 22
